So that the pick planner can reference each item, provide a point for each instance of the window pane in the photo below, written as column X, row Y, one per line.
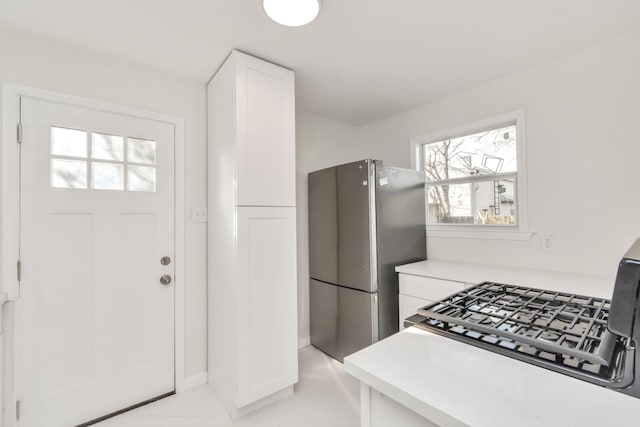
column 105, row 176
column 483, row 153
column 68, row 142
column 141, row 151
column 107, row 147
column 141, row 178
column 487, row 202
column 68, row 173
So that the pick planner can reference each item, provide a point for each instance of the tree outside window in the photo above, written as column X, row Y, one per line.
column 471, row 179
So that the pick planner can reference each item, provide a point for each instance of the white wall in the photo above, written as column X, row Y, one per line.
column 40, row 63
column 582, row 153
column 583, row 156
column 320, row 143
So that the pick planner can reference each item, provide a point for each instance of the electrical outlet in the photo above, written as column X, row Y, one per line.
column 547, row 243
column 199, row 215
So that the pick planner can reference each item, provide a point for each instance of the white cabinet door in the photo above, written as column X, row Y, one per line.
column 428, row 288
column 408, row 306
column 265, row 132
column 267, row 319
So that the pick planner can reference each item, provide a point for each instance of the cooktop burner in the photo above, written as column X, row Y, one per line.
column 560, row 331
column 558, row 322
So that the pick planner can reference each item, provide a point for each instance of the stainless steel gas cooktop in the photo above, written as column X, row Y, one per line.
column 589, row 338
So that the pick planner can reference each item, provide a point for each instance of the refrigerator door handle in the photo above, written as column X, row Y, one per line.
column 373, row 241
column 374, row 319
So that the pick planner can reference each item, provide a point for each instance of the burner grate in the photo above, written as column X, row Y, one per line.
column 550, row 322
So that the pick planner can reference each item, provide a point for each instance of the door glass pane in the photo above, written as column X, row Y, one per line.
column 141, row 151
column 68, row 173
column 105, row 176
column 68, row 142
column 141, row 178
column 107, row 147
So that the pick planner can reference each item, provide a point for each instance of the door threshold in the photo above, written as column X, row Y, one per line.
column 127, row 409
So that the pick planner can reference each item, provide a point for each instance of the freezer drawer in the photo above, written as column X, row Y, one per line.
column 343, row 320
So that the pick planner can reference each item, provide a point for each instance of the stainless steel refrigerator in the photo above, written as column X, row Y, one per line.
column 364, row 219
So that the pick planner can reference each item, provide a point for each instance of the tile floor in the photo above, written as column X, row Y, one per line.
column 325, row 396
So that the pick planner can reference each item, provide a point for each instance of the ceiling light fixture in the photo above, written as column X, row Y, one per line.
column 292, row 13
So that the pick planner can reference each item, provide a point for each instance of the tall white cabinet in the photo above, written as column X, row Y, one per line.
column 253, row 357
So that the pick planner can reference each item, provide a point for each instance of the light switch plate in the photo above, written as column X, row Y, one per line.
column 199, row 215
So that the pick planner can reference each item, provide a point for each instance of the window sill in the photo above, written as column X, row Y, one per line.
column 481, row 234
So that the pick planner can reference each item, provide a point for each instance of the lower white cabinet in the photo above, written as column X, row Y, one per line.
column 429, row 288
column 267, row 318
column 418, row 291
column 253, row 352
column 379, row 410
column 408, row 306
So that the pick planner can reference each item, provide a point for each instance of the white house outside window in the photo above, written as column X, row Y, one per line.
column 474, row 175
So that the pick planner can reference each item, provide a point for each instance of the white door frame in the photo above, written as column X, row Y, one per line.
column 11, row 94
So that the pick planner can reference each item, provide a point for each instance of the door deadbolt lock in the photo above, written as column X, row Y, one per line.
column 165, row 279
column 165, row 260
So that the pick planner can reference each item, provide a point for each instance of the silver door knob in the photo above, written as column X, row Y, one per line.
column 165, row 279
column 165, row 260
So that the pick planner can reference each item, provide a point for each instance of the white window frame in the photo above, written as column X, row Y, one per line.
column 520, row 230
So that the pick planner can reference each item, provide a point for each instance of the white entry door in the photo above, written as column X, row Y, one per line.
column 95, row 323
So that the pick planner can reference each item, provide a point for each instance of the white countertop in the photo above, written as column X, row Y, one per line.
column 584, row 284
column 453, row 383
column 456, row 384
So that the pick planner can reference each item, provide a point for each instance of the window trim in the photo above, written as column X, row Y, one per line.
column 520, row 230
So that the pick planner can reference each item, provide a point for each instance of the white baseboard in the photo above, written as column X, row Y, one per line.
column 261, row 403
column 304, row 341
column 195, row 380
